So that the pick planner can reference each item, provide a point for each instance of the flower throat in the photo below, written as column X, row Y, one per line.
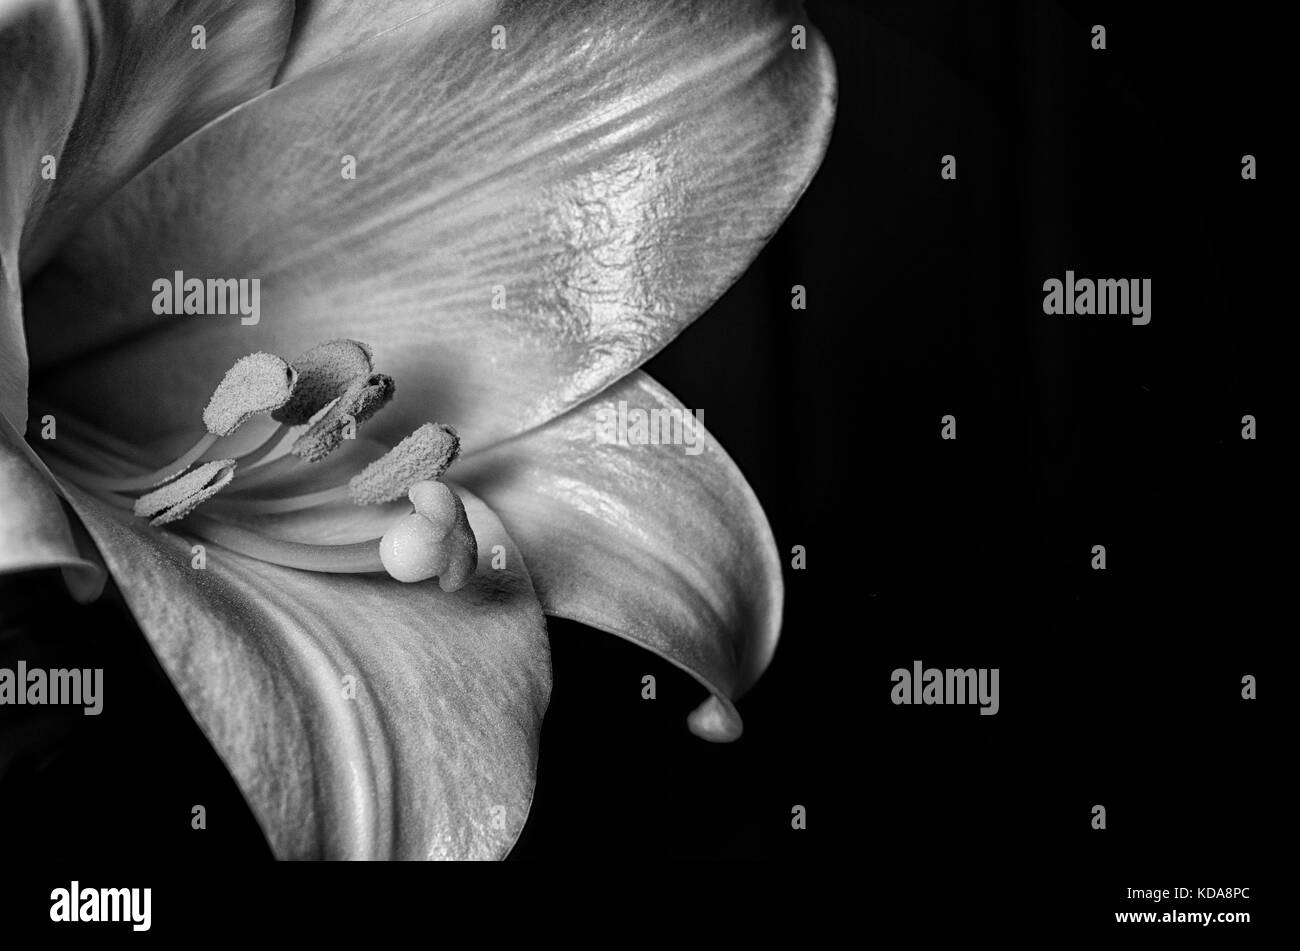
column 317, row 401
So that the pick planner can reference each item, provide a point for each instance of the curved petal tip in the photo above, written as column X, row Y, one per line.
column 716, row 720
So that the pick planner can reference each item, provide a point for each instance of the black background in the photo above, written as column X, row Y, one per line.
column 1119, row 688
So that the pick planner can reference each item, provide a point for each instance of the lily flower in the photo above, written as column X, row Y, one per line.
column 470, row 222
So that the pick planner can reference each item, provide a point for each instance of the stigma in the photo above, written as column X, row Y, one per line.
column 433, row 541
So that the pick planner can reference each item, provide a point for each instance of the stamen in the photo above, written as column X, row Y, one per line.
column 358, row 558
column 364, row 397
column 296, row 503
column 423, row 455
column 177, row 499
column 147, row 479
column 254, row 456
column 258, row 475
column 324, row 373
column 257, row 383
column 435, row 540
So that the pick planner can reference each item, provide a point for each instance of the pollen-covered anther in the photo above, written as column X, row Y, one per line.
column 257, row 383
column 324, row 372
column 363, row 397
column 434, row 541
column 422, row 456
column 177, row 499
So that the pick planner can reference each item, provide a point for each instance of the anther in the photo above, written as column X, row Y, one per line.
column 324, row 373
column 423, row 455
column 434, row 541
column 177, row 499
column 362, row 398
column 257, row 383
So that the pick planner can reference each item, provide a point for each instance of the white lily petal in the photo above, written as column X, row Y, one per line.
column 36, row 117
column 34, row 531
column 663, row 545
column 361, row 717
column 91, row 91
column 323, row 29
column 525, row 226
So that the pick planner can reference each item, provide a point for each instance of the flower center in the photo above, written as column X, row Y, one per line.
column 317, row 402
